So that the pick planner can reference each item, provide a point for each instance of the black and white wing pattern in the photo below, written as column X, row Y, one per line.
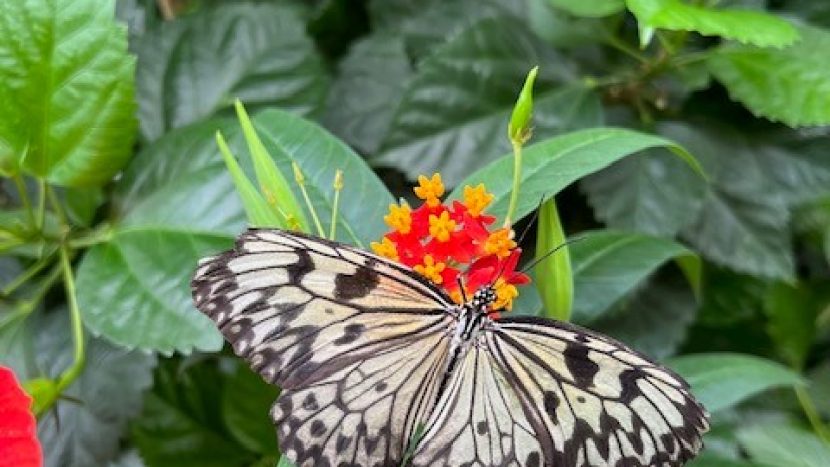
column 593, row 401
column 357, row 343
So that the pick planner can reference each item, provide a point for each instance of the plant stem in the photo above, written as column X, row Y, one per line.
column 24, row 308
column 24, row 198
column 102, row 234
column 338, row 186
column 812, row 414
column 26, row 275
column 56, row 206
column 71, row 373
column 517, row 173
column 40, row 220
column 627, row 49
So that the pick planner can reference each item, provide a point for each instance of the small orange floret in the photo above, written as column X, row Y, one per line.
column 430, row 189
column 440, row 227
column 476, row 199
column 505, row 293
column 430, row 269
column 385, row 248
column 399, row 218
column 500, row 243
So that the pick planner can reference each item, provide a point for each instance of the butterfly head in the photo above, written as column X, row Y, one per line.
column 483, row 298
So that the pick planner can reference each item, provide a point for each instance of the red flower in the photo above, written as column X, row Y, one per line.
column 447, row 243
column 19, row 446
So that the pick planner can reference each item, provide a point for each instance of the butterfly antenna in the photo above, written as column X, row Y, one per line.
column 461, row 288
column 548, row 254
column 532, row 220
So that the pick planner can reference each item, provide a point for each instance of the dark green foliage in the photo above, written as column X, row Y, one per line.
column 687, row 142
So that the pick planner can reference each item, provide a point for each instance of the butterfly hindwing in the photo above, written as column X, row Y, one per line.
column 341, row 331
column 593, row 400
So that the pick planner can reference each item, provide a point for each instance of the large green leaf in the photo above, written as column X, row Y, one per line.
column 364, row 197
column 655, row 320
column 193, row 67
column 781, row 444
column 609, row 264
column 791, row 85
column 651, row 193
column 246, row 405
column 66, row 91
column 590, row 8
column 551, row 165
column 87, row 428
column 747, row 26
column 179, row 205
column 370, row 82
column 181, row 425
column 453, row 115
column 791, row 311
column 174, row 205
column 722, row 380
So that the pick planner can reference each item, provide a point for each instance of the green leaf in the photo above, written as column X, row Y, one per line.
column 729, row 297
column 453, row 115
column 175, row 204
column 651, row 193
column 180, row 425
column 781, row 444
column 257, row 210
column 554, row 278
column 193, row 67
column 370, row 82
column 791, row 85
column 706, row 459
column 746, row 26
column 246, row 404
column 722, row 380
column 792, row 312
column 590, row 8
column 319, row 154
column 67, row 91
column 273, row 185
column 88, row 429
column 551, row 165
column 608, row 264
column 655, row 320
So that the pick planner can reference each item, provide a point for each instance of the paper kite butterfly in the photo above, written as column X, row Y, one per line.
column 376, row 365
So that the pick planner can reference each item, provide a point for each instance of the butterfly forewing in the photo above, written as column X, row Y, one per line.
column 595, row 401
column 357, row 343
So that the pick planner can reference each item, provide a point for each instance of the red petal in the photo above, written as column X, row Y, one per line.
column 19, row 446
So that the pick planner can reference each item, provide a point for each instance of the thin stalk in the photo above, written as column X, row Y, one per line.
column 71, row 373
column 812, row 414
column 24, row 198
column 26, row 275
column 96, row 237
column 517, row 173
column 300, row 179
column 338, row 187
column 627, row 49
column 56, row 206
column 24, row 308
column 40, row 220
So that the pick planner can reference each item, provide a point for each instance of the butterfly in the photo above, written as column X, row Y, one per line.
column 377, row 364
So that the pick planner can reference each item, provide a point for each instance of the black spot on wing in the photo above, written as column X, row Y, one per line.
column 481, row 428
column 301, row 267
column 551, row 403
column 318, row 428
column 533, row 459
column 351, row 333
column 581, row 367
column 356, row 285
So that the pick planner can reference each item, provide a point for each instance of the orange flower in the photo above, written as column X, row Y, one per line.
column 430, row 190
column 439, row 241
column 476, row 199
column 399, row 218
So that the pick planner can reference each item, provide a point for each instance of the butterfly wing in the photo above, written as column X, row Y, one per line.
column 479, row 420
column 593, row 401
column 355, row 342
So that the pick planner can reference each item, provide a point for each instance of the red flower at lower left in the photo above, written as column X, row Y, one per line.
column 19, row 446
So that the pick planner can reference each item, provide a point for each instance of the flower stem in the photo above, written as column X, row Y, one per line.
column 338, row 186
column 300, row 179
column 517, row 173
column 25, row 307
column 24, row 198
column 40, row 220
column 72, row 373
column 100, row 235
column 26, row 275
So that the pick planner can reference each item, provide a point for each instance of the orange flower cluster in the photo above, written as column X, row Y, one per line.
column 443, row 243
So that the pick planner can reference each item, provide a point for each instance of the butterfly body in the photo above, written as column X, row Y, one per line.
column 366, row 351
